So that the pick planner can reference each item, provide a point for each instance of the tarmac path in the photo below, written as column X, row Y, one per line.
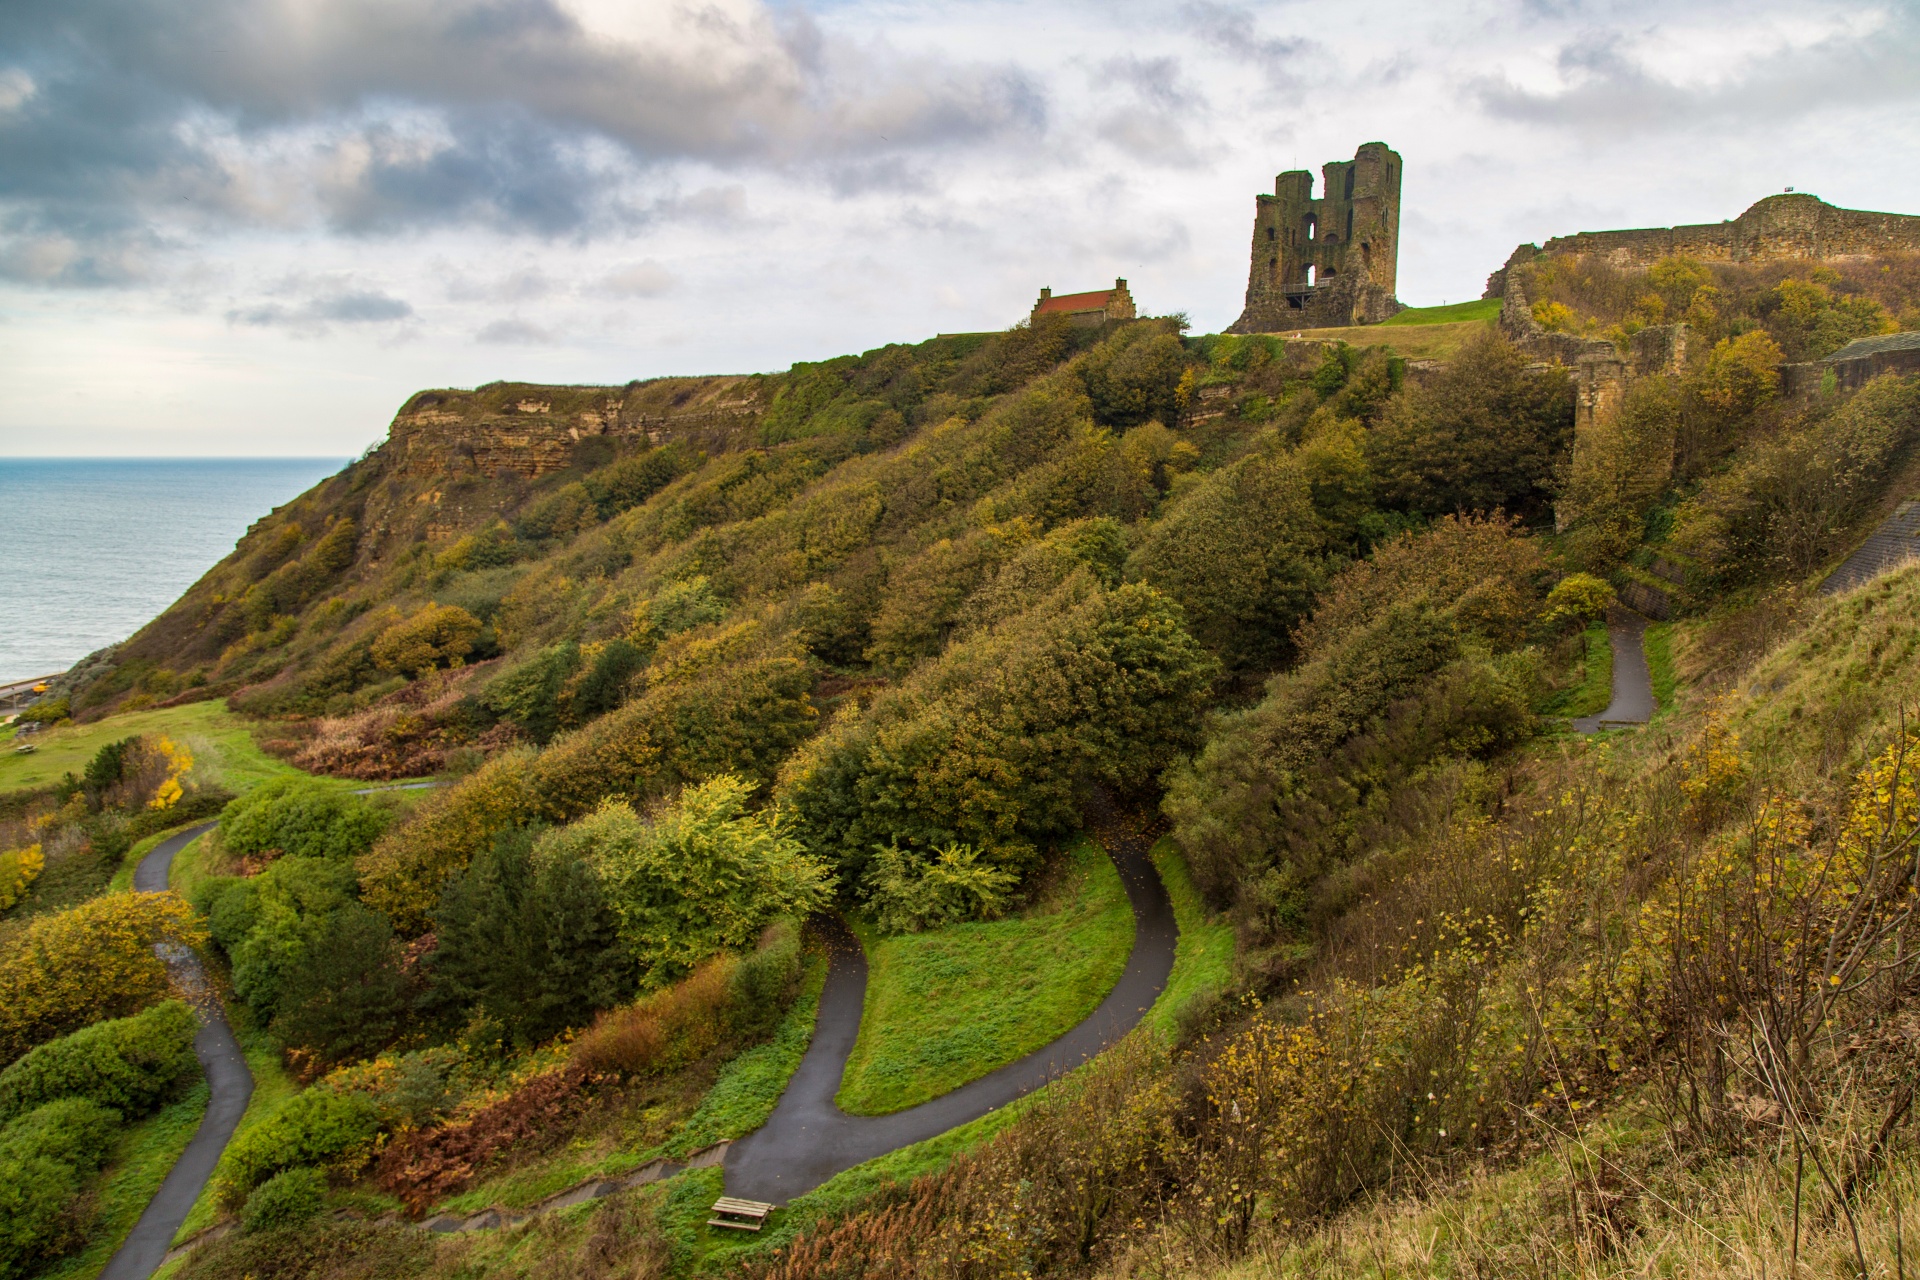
column 808, row 1139
column 1632, row 684
column 229, row 1081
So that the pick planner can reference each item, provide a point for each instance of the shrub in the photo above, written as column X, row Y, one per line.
column 909, row 893
column 301, row 818
column 287, row 1199
column 319, row 1127
column 128, row 1064
column 49, row 711
column 92, row 961
column 994, row 744
column 439, row 635
column 428, row 1165
column 742, row 719
column 704, row 875
column 284, row 911
column 19, row 868
column 46, row 1157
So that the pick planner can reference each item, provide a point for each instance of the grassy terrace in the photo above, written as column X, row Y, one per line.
column 222, row 744
column 951, row 1005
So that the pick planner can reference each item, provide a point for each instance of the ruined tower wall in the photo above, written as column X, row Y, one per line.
column 1331, row 261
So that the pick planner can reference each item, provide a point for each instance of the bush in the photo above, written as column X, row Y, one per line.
column 994, row 744
column 425, row 1166
column 93, row 961
column 285, row 1200
column 439, row 635
column 909, row 893
column 343, row 997
column 128, row 1064
column 1576, row 600
column 284, row 912
column 46, row 1158
column 50, row 711
column 319, row 1127
column 703, row 876
column 301, row 818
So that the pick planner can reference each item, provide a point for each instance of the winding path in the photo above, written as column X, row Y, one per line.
column 229, row 1082
column 1632, row 701
column 808, row 1139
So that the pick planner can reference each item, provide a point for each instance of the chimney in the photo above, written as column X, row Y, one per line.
column 1045, row 294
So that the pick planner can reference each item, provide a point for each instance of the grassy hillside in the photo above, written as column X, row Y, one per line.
column 699, row 658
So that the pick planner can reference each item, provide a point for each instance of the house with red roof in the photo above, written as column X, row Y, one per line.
column 1093, row 308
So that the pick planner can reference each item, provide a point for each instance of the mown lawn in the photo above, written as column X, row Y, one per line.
column 1659, row 649
column 1482, row 309
column 222, row 744
column 1203, row 964
column 948, row 1006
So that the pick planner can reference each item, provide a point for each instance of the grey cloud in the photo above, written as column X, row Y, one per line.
column 378, row 116
column 1233, row 30
column 355, row 306
column 513, row 333
column 646, row 279
column 1604, row 90
column 1152, row 125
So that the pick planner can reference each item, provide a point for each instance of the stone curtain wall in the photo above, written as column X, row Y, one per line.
column 1783, row 226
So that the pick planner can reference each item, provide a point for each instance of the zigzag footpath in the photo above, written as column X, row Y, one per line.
column 808, row 1139
column 228, row 1080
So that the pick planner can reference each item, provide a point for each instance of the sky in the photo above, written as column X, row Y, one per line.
column 254, row 227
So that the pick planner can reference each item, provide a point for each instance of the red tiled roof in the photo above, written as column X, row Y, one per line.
column 1095, row 301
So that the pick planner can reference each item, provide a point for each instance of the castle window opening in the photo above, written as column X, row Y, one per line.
column 1270, row 234
column 1309, row 275
column 1349, row 194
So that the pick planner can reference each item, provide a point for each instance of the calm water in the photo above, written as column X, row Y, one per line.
column 90, row 549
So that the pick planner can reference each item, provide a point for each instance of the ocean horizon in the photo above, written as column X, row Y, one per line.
column 94, row 548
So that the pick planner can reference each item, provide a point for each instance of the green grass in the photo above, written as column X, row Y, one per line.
column 1595, row 690
column 750, row 1086
column 739, row 1102
column 1452, row 313
column 1658, row 645
column 148, row 1150
column 272, row 1088
column 948, row 1006
column 222, row 744
column 1204, row 961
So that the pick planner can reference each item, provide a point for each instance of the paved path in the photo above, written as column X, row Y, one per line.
column 230, row 1082
column 1632, row 685
column 1895, row 542
column 808, row 1139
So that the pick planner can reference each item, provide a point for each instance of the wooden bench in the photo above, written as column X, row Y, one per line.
column 741, row 1215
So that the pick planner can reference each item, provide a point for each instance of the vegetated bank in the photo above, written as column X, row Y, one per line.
column 930, row 601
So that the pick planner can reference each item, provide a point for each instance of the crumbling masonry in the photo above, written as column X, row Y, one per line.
column 1325, row 263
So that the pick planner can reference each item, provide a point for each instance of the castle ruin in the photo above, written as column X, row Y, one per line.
column 1330, row 262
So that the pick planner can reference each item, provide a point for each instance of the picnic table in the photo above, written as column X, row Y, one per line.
column 740, row 1215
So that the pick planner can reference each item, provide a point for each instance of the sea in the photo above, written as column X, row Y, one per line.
column 92, row 548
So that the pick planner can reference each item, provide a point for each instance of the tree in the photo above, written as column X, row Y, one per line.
column 286, row 913
column 704, row 875
column 343, row 997
column 1241, row 552
column 1484, row 434
column 529, row 941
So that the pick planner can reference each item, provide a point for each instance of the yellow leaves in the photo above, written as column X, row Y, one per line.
column 18, row 870
column 93, row 961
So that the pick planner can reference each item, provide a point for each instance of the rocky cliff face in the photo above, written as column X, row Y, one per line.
column 525, row 430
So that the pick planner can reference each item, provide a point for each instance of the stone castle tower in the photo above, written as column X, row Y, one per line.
column 1327, row 262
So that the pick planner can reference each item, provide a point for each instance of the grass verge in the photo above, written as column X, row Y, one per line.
column 1658, row 645
column 953, row 1004
column 1203, row 963
column 148, row 1150
column 1595, row 690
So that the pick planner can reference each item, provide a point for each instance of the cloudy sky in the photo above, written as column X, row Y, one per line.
column 254, row 226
